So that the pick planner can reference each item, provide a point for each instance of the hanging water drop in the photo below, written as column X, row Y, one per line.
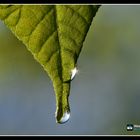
column 65, row 117
column 73, row 73
column 62, row 113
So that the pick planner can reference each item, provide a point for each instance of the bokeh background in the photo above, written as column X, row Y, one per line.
column 105, row 95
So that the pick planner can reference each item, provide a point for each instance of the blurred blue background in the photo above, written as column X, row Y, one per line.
column 104, row 95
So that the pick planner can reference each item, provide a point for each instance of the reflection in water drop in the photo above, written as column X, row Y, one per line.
column 65, row 117
column 73, row 73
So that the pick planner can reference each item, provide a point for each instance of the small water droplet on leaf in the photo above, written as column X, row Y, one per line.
column 73, row 73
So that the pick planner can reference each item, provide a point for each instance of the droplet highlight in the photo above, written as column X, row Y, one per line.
column 65, row 117
column 73, row 73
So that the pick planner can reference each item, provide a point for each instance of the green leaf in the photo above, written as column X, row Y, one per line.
column 54, row 34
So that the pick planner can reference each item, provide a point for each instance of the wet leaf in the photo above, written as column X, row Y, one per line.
column 54, row 34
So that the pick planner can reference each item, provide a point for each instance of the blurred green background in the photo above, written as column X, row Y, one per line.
column 104, row 95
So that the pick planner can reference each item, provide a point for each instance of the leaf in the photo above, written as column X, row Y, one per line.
column 54, row 34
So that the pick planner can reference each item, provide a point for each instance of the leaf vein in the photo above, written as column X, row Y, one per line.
column 60, row 70
column 70, row 38
column 30, row 35
column 48, row 37
column 72, row 27
column 18, row 17
column 78, row 14
column 10, row 13
column 51, row 56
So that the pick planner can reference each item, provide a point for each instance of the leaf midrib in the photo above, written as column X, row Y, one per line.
column 60, row 70
column 59, row 44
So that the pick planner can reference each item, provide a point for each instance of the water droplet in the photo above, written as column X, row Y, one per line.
column 62, row 113
column 65, row 117
column 73, row 73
